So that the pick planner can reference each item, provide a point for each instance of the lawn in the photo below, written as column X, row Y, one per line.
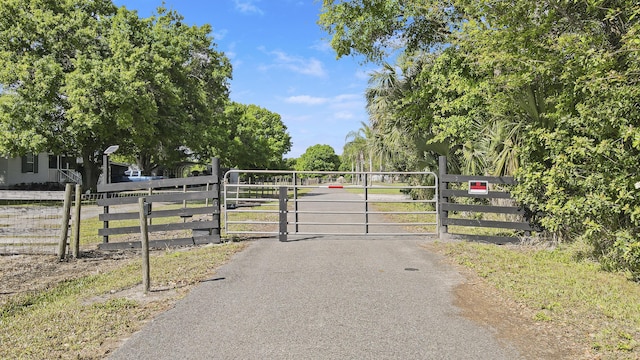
column 85, row 316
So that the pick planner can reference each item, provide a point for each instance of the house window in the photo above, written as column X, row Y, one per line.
column 53, row 162
column 30, row 163
column 62, row 162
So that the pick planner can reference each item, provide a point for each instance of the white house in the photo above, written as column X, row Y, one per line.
column 38, row 169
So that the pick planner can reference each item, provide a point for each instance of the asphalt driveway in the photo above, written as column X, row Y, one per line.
column 321, row 298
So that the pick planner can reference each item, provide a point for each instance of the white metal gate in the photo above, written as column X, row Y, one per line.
column 330, row 203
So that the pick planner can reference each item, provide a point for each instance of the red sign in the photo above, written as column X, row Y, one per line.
column 478, row 187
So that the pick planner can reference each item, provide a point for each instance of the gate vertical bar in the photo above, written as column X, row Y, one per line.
column 295, row 202
column 443, row 215
column 282, row 231
column 365, row 184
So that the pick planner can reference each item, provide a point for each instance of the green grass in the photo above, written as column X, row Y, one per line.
column 89, row 231
column 561, row 287
column 89, row 226
column 67, row 322
column 482, row 231
column 388, row 189
column 564, row 290
column 250, row 217
column 409, row 218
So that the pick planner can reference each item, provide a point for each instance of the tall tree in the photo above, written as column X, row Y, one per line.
column 360, row 147
column 401, row 115
column 82, row 75
column 318, row 157
column 42, row 43
column 189, row 85
column 258, row 138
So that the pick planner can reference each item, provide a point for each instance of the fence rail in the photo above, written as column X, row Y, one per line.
column 449, row 205
column 198, row 210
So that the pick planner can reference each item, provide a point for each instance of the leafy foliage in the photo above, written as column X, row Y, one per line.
column 258, row 138
column 545, row 90
column 78, row 76
column 318, row 158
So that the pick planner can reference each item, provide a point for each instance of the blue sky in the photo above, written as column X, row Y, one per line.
column 282, row 61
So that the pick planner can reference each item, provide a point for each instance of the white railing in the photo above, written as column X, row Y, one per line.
column 68, row 176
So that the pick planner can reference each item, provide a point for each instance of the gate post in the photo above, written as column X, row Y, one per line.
column 282, row 231
column 215, row 171
column 443, row 185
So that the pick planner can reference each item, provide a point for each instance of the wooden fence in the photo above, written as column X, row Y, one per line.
column 447, row 204
column 177, row 206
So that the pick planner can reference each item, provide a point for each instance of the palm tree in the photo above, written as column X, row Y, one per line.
column 397, row 120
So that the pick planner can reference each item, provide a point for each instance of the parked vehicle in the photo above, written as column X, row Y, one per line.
column 135, row 175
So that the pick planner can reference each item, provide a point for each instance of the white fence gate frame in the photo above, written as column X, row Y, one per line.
column 256, row 196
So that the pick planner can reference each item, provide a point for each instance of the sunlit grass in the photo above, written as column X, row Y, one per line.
column 562, row 289
column 89, row 226
column 76, row 318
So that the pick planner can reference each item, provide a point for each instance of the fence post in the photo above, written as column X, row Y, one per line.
column 282, row 232
column 75, row 233
column 443, row 185
column 64, row 230
column 215, row 171
column 144, row 209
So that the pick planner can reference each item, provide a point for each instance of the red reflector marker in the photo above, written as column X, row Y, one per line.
column 335, row 186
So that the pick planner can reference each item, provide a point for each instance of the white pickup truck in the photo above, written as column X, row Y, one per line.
column 136, row 175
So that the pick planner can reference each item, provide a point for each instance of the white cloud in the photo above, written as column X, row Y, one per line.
column 230, row 52
column 322, row 46
column 363, row 74
column 348, row 97
column 219, row 34
column 344, row 115
column 248, row 7
column 288, row 118
column 297, row 64
column 306, row 100
column 344, row 103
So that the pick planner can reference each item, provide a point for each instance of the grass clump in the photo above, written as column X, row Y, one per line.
column 84, row 317
column 562, row 289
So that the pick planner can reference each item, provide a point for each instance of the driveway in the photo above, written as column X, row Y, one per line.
column 321, row 298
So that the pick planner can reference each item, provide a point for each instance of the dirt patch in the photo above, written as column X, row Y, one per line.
column 29, row 273
column 137, row 294
column 480, row 302
column 514, row 324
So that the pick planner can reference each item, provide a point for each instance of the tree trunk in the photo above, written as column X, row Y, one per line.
column 90, row 171
column 145, row 163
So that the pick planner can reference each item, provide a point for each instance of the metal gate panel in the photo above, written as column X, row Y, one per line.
column 330, row 203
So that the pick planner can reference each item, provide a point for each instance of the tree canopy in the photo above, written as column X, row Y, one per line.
column 258, row 138
column 544, row 90
column 318, row 157
column 79, row 76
